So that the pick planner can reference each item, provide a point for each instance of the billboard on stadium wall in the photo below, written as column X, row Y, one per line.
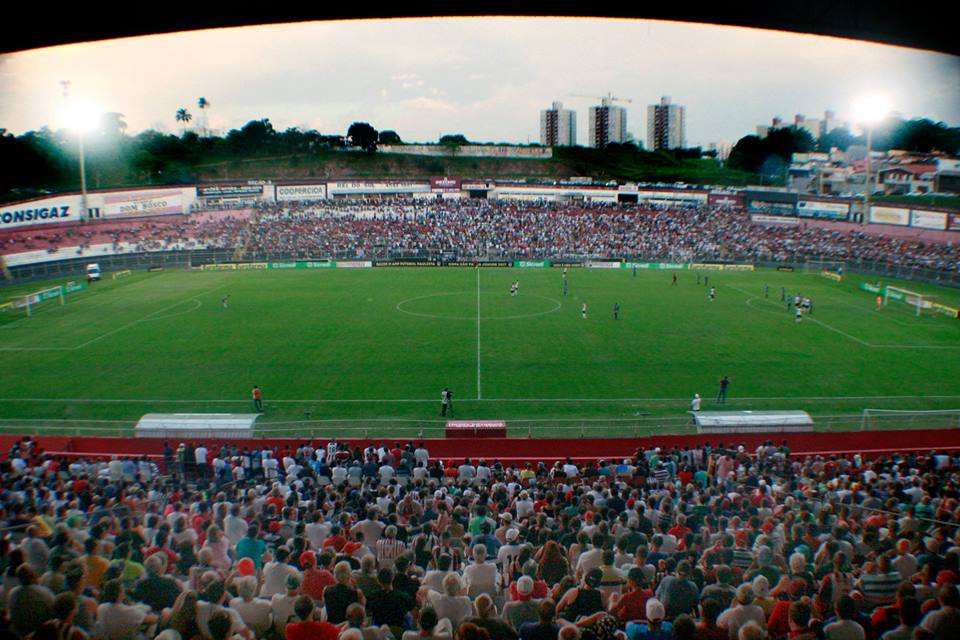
column 669, row 197
column 36, row 212
column 820, row 209
column 928, row 219
column 134, row 204
column 711, row 266
column 889, row 215
column 773, row 202
column 721, row 199
column 377, row 188
column 302, row 264
column 953, row 222
column 300, row 192
column 229, row 190
column 565, row 264
column 445, row 184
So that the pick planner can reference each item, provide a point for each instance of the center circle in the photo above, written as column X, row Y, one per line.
column 457, row 305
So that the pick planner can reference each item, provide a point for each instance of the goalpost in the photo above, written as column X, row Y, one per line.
column 873, row 419
column 30, row 301
column 919, row 301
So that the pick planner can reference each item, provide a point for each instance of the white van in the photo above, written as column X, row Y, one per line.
column 93, row 272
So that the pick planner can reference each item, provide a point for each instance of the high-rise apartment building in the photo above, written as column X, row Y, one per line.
column 558, row 126
column 666, row 125
column 606, row 124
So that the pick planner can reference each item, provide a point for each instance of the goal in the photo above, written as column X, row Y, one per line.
column 31, row 301
column 918, row 301
column 874, row 419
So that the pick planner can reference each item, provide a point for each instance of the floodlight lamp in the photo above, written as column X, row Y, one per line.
column 871, row 109
column 81, row 117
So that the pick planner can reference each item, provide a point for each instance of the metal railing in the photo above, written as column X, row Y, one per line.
column 398, row 427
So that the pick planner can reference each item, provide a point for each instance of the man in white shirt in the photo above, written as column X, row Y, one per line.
column 200, row 456
column 371, row 528
column 234, row 527
column 592, row 558
column 467, row 471
column 421, row 455
column 742, row 612
column 275, row 574
column 119, row 621
column 481, row 576
column 510, row 550
column 317, row 531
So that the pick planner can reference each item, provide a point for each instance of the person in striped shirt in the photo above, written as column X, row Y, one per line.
column 389, row 548
column 880, row 583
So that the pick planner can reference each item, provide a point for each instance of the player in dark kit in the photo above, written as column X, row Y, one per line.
column 674, row 283
column 722, row 394
column 616, row 310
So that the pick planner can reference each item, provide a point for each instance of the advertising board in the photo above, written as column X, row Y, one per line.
column 765, row 219
column 46, row 211
column 889, row 215
column 227, row 190
column 445, row 184
column 133, row 204
column 300, row 192
column 953, row 223
column 725, row 200
column 531, row 264
column 928, row 219
column 820, row 209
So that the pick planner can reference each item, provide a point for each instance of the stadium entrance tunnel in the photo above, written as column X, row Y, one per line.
column 467, row 305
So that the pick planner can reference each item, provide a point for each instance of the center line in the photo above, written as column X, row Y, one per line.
column 479, row 394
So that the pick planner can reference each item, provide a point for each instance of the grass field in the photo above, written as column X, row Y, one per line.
column 374, row 347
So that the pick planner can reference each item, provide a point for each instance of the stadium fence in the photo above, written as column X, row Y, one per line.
column 573, row 428
column 195, row 258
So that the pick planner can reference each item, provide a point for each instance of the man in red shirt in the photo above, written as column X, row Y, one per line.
column 632, row 605
column 316, row 579
column 308, row 628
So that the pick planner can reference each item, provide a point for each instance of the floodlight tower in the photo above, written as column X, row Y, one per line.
column 80, row 118
column 869, row 111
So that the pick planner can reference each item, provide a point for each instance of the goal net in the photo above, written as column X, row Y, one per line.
column 876, row 419
column 918, row 301
column 819, row 266
column 30, row 302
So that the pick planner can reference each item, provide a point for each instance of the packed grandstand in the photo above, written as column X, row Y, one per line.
column 325, row 540
column 492, row 229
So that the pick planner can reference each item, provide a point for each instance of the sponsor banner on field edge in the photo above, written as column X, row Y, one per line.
column 890, row 215
column 604, row 265
column 765, row 219
column 302, row 264
column 928, row 219
column 477, row 263
column 405, row 263
column 870, row 288
column 830, row 275
column 476, row 424
column 564, row 264
column 354, row 264
column 531, row 264
column 300, row 192
column 786, row 269
column 148, row 203
column 655, row 265
column 72, row 286
column 709, row 266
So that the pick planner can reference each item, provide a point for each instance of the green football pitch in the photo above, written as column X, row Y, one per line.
column 373, row 348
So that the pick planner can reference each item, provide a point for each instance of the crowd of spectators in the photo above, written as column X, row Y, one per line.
column 502, row 229
column 338, row 543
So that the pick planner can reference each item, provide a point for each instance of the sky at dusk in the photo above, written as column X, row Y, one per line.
column 487, row 78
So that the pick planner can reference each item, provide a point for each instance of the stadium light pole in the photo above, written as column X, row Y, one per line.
column 868, row 111
column 81, row 118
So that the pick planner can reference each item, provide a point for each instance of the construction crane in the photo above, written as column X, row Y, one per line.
column 609, row 97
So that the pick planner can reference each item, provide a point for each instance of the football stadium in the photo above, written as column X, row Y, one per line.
column 280, row 386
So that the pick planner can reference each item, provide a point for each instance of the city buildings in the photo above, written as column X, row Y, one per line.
column 558, row 126
column 666, row 126
column 606, row 124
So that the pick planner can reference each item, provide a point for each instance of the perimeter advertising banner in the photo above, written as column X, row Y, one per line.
column 133, row 204
column 725, row 200
column 765, row 219
column 710, row 266
column 300, row 192
column 445, row 184
column 820, row 209
column 890, row 215
column 953, row 224
column 47, row 211
column 302, row 264
column 928, row 219
column 531, row 264
column 655, row 265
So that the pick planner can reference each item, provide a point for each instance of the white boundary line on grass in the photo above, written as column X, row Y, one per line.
column 149, row 316
column 414, row 400
column 479, row 393
column 864, row 343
